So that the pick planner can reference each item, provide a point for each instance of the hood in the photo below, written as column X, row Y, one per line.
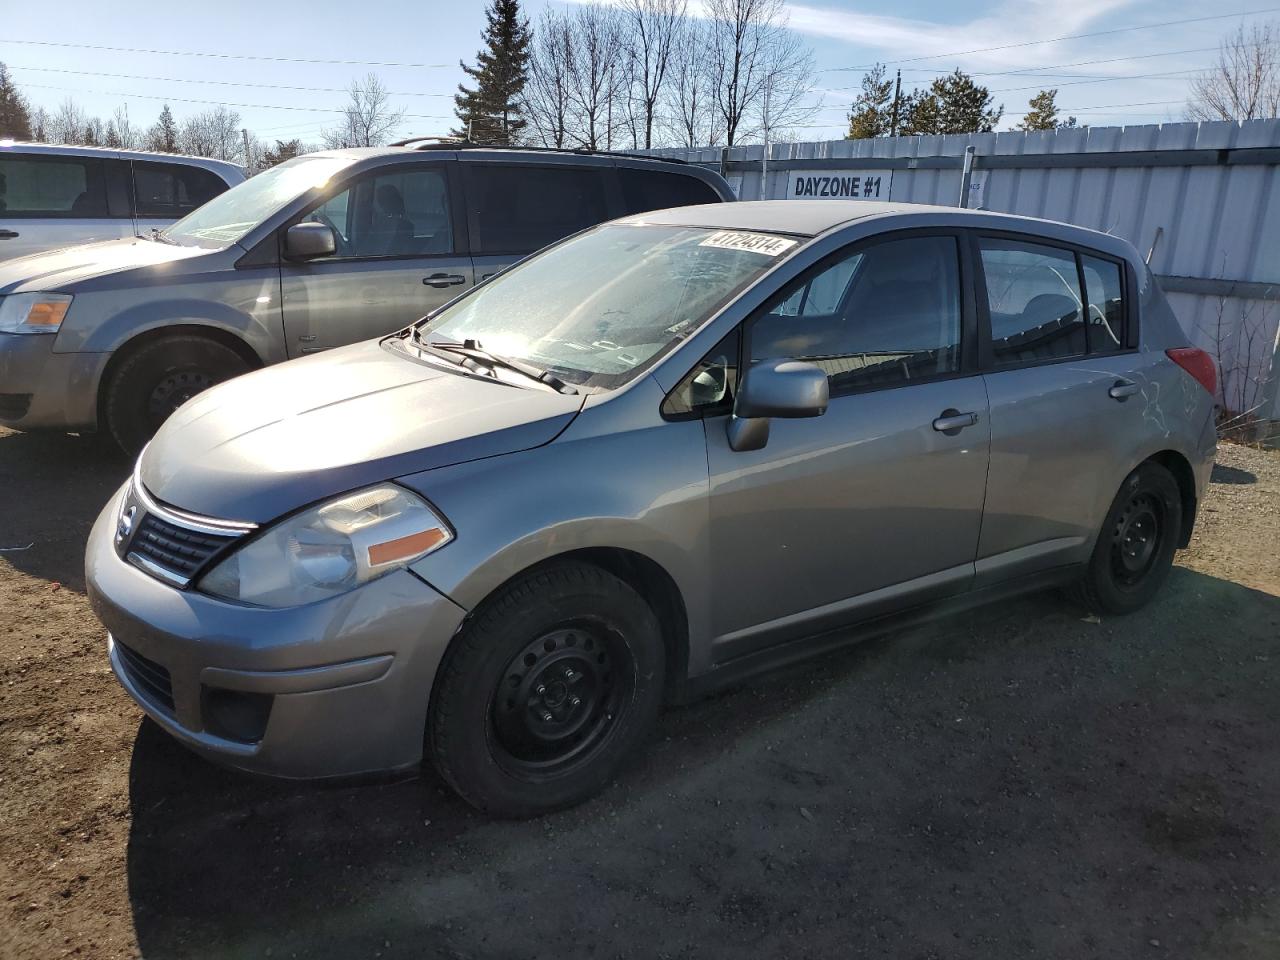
column 272, row 441
column 55, row 269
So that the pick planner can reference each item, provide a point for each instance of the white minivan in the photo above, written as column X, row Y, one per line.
column 57, row 196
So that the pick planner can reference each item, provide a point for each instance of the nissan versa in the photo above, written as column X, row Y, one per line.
column 654, row 457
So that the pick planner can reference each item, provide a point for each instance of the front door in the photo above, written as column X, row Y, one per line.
column 397, row 259
column 877, row 504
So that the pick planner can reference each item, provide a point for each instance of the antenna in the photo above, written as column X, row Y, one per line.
column 1154, row 240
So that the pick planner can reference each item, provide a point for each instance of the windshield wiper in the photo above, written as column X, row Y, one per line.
column 472, row 350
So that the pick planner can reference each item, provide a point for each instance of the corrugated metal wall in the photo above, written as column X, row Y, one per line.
column 1210, row 191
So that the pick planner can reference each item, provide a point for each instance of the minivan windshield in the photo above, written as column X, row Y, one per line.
column 601, row 307
column 229, row 216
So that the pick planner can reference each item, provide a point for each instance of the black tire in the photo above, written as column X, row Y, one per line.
column 555, row 680
column 1136, row 544
column 157, row 378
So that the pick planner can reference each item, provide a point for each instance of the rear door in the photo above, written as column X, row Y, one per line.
column 1071, row 399
column 49, row 201
column 515, row 208
column 400, row 255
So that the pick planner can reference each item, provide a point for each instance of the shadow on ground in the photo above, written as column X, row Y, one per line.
column 55, row 485
column 1013, row 782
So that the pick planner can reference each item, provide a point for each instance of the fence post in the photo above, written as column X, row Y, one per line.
column 966, row 177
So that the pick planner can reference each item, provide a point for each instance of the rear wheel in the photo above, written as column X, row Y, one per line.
column 159, row 377
column 551, row 685
column 1136, row 544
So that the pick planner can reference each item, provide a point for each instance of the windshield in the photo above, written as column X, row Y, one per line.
column 603, row 306
column 229, row 216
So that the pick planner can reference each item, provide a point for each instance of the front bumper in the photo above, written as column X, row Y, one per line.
column 334, row 688
column 40, row 389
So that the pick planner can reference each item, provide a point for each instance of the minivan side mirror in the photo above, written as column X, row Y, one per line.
column 775, row 388
column 307, row 241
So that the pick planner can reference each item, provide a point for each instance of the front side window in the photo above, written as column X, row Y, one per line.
column 604, row 306
column 882, row 315
column 401, row 213
column 172, row 190
column 1033, row 296
column 229, row 216
column 520, row 208
column 47, row 186
column 1105, row 288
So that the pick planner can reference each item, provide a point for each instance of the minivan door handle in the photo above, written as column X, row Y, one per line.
column 441, row 280
column 1122, row 390
column 952, row 421
column 8, row 234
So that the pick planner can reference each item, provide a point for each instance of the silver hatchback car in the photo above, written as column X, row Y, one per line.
column 657, row 456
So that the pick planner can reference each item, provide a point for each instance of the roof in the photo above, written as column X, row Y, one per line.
column 813, row 217
column 113, row 153
column 532, row 154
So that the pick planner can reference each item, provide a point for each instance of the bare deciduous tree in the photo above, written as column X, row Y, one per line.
column 369, row 119
column 654, row 30
column 69, row 123
column 756, row 60
column 546, row 95
column 213, row 133
column 1245, row 82
column 130, row 137
column 595, row 77
column 690, row 118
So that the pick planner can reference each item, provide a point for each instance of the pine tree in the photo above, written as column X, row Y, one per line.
column 15, row 117
column 952, row 104
column 163, row 136
column 490, row 113
column 872, row 111
column 1043, row 114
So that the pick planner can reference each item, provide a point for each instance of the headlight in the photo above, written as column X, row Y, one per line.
column 33, row 312
column 330, row 549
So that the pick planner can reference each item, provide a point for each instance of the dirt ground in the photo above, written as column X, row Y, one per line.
column 1019, row 782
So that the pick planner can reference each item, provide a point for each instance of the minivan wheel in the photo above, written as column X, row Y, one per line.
column 1136, row 544
column 552, row 683
column 159, row 377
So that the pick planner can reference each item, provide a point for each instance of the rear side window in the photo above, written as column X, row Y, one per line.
column 45, row 186
column 1033, row 295
column 1105, row 295
column 653, row 190
column 518, row 209
column 172, row 190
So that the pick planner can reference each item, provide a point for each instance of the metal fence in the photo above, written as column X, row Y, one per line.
column 1206, row 196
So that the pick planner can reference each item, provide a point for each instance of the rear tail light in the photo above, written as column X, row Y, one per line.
column 1199, row 364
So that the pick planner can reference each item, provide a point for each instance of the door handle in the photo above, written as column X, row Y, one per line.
column 952, row 421
column 8, row 234
column 1122, row 390
column 441, row 280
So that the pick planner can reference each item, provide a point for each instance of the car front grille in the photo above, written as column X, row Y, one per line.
column 176, row 549
column 151, row 679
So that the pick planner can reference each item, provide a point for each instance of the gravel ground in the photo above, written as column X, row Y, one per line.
column 1017, row 782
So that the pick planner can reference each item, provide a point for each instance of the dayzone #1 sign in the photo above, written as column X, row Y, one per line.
column 839, row 185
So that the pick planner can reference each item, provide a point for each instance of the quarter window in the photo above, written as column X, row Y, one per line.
column 880, row 316
column 654, row 190
column 47, row 186
column 1034, row 301
column 172, row 190
column 1105, row 289
column 518, row 209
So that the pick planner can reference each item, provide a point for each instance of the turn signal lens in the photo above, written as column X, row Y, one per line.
column 47, row 314
column 33, row 312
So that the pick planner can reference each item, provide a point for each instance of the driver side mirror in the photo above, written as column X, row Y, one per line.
column 775, row 388
column 309, row 241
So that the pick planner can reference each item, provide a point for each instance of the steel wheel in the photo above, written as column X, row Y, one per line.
column 1135, row 540
column 175, row 390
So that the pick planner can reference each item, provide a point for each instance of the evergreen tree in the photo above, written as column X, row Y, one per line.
column 1043, row 114
column 15, row 117
column 490, row 112
column 872, row 112
column 952, row 104
column 163, row 136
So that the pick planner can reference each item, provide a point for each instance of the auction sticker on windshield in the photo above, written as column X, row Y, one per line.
column 767, row 244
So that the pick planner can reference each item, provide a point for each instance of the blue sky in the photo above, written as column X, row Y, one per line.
column 426, row 39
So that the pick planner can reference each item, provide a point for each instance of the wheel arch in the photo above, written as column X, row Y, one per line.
column 1178, row 465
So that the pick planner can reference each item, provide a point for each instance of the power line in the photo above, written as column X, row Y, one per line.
column 222, row 83
column 1070, row 36
column 227, row 56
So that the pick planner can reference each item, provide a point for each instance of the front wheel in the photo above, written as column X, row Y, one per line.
column 556, row 679
column 1136, row 543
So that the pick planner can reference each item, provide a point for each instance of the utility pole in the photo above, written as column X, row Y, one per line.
column 764, row 160
column 897, row 98
column 244, row 136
